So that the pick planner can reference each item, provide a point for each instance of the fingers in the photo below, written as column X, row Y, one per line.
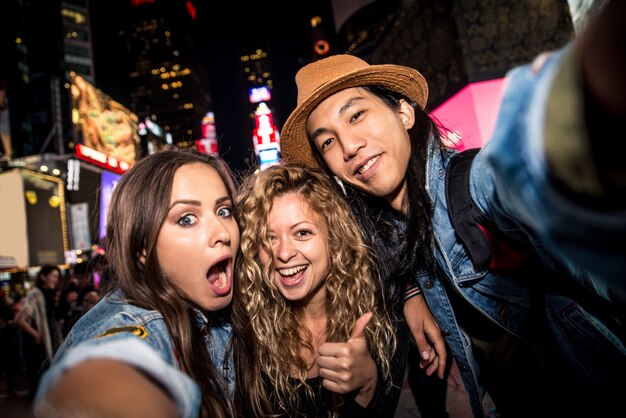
column 360, row 325
column 350, row 368
column 439, row 345
column 423, row 345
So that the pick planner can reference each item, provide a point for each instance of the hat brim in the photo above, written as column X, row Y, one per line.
column 294, row 143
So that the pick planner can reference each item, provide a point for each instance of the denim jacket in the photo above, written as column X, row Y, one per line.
column 144, row 343
column 570, row 336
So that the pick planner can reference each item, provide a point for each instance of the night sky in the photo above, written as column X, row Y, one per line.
column 218, row 48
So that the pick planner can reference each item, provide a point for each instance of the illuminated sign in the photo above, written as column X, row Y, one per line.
column 208, row 143
column 102, row 124
column 321, row 47
column 265, row 134
column 259, row 94
column 469, row 116
column 108, row 181
column 100, row 159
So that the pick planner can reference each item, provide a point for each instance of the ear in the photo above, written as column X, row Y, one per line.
column 407, row 114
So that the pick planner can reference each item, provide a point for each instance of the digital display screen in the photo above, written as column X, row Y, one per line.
column 108, row 181
column 101, row 123
column 259, row 94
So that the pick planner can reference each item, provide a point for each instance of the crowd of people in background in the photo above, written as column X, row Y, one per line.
column 33, row 325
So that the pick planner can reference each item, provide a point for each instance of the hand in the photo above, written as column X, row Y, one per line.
column 427, row 335
column 347, row 367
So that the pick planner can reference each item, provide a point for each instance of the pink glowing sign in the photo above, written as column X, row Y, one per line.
column 470, row 115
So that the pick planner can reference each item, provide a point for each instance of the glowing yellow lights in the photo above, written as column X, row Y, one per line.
column 257, row 55
column 31, row 197
column 316, row 21
column 43, row 168
column 54, row 201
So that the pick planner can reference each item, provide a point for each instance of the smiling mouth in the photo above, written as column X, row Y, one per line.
column 292, row 276
column 287, row 273
column 367, row 165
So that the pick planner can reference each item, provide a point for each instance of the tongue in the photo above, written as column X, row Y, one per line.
column 214, row 273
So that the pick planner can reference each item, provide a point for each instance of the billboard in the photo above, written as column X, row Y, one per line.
column 101, row 123
column 469, row 116
column 108, row 182
column 259, row 94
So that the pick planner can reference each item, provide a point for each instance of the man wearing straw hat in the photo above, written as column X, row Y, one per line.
column 542, row 338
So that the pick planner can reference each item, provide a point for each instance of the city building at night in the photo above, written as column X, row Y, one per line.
column 165, row 81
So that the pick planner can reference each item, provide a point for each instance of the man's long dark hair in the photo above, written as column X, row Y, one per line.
column 403, row 244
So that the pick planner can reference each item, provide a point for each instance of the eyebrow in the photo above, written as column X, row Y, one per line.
column 343, row 109
column 221, row 200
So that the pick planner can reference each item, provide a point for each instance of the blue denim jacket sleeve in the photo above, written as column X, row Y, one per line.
column 582, row 239
column 106, row 332
column 136, row 353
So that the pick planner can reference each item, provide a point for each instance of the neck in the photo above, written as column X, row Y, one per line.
column 397, row 201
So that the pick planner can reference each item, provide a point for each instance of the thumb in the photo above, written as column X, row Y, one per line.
column 359, row 326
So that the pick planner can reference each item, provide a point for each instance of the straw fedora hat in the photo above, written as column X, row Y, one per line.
column 320, row 79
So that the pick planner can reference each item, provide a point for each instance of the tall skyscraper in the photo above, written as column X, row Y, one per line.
column 164, row 81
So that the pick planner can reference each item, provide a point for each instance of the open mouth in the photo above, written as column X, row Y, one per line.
column 219, row 277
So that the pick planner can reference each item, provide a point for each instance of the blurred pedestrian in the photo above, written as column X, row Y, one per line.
column 36, row 318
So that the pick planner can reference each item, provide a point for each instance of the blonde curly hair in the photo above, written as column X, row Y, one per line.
column 352, row 285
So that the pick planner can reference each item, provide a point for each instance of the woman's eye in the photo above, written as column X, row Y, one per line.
column 225, row 212
column 187, row 220
column 303, row 233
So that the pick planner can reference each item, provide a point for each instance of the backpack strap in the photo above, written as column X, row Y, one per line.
column 481, row 239
column 464, row 215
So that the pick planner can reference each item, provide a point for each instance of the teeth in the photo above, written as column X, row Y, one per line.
column 367, row 165
column 221, row 279
column 291, row 271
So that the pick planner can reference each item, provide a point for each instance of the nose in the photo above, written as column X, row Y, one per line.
column 285, row 250
column 219, row 233
column 351, row 144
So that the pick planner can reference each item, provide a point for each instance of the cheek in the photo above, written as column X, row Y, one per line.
column 170, row 255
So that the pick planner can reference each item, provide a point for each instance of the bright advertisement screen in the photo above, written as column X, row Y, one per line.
column 469, row 116
column 259, row 94
column 108, row 181
column 268, row 157
column 101, row 123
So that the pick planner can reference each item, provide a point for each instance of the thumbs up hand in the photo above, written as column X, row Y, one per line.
column 348, row 367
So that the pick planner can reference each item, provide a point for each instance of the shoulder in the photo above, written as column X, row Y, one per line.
column 114, row 319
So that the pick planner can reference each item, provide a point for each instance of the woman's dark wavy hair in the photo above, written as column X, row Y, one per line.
column 138, row 208
column 403, row 245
